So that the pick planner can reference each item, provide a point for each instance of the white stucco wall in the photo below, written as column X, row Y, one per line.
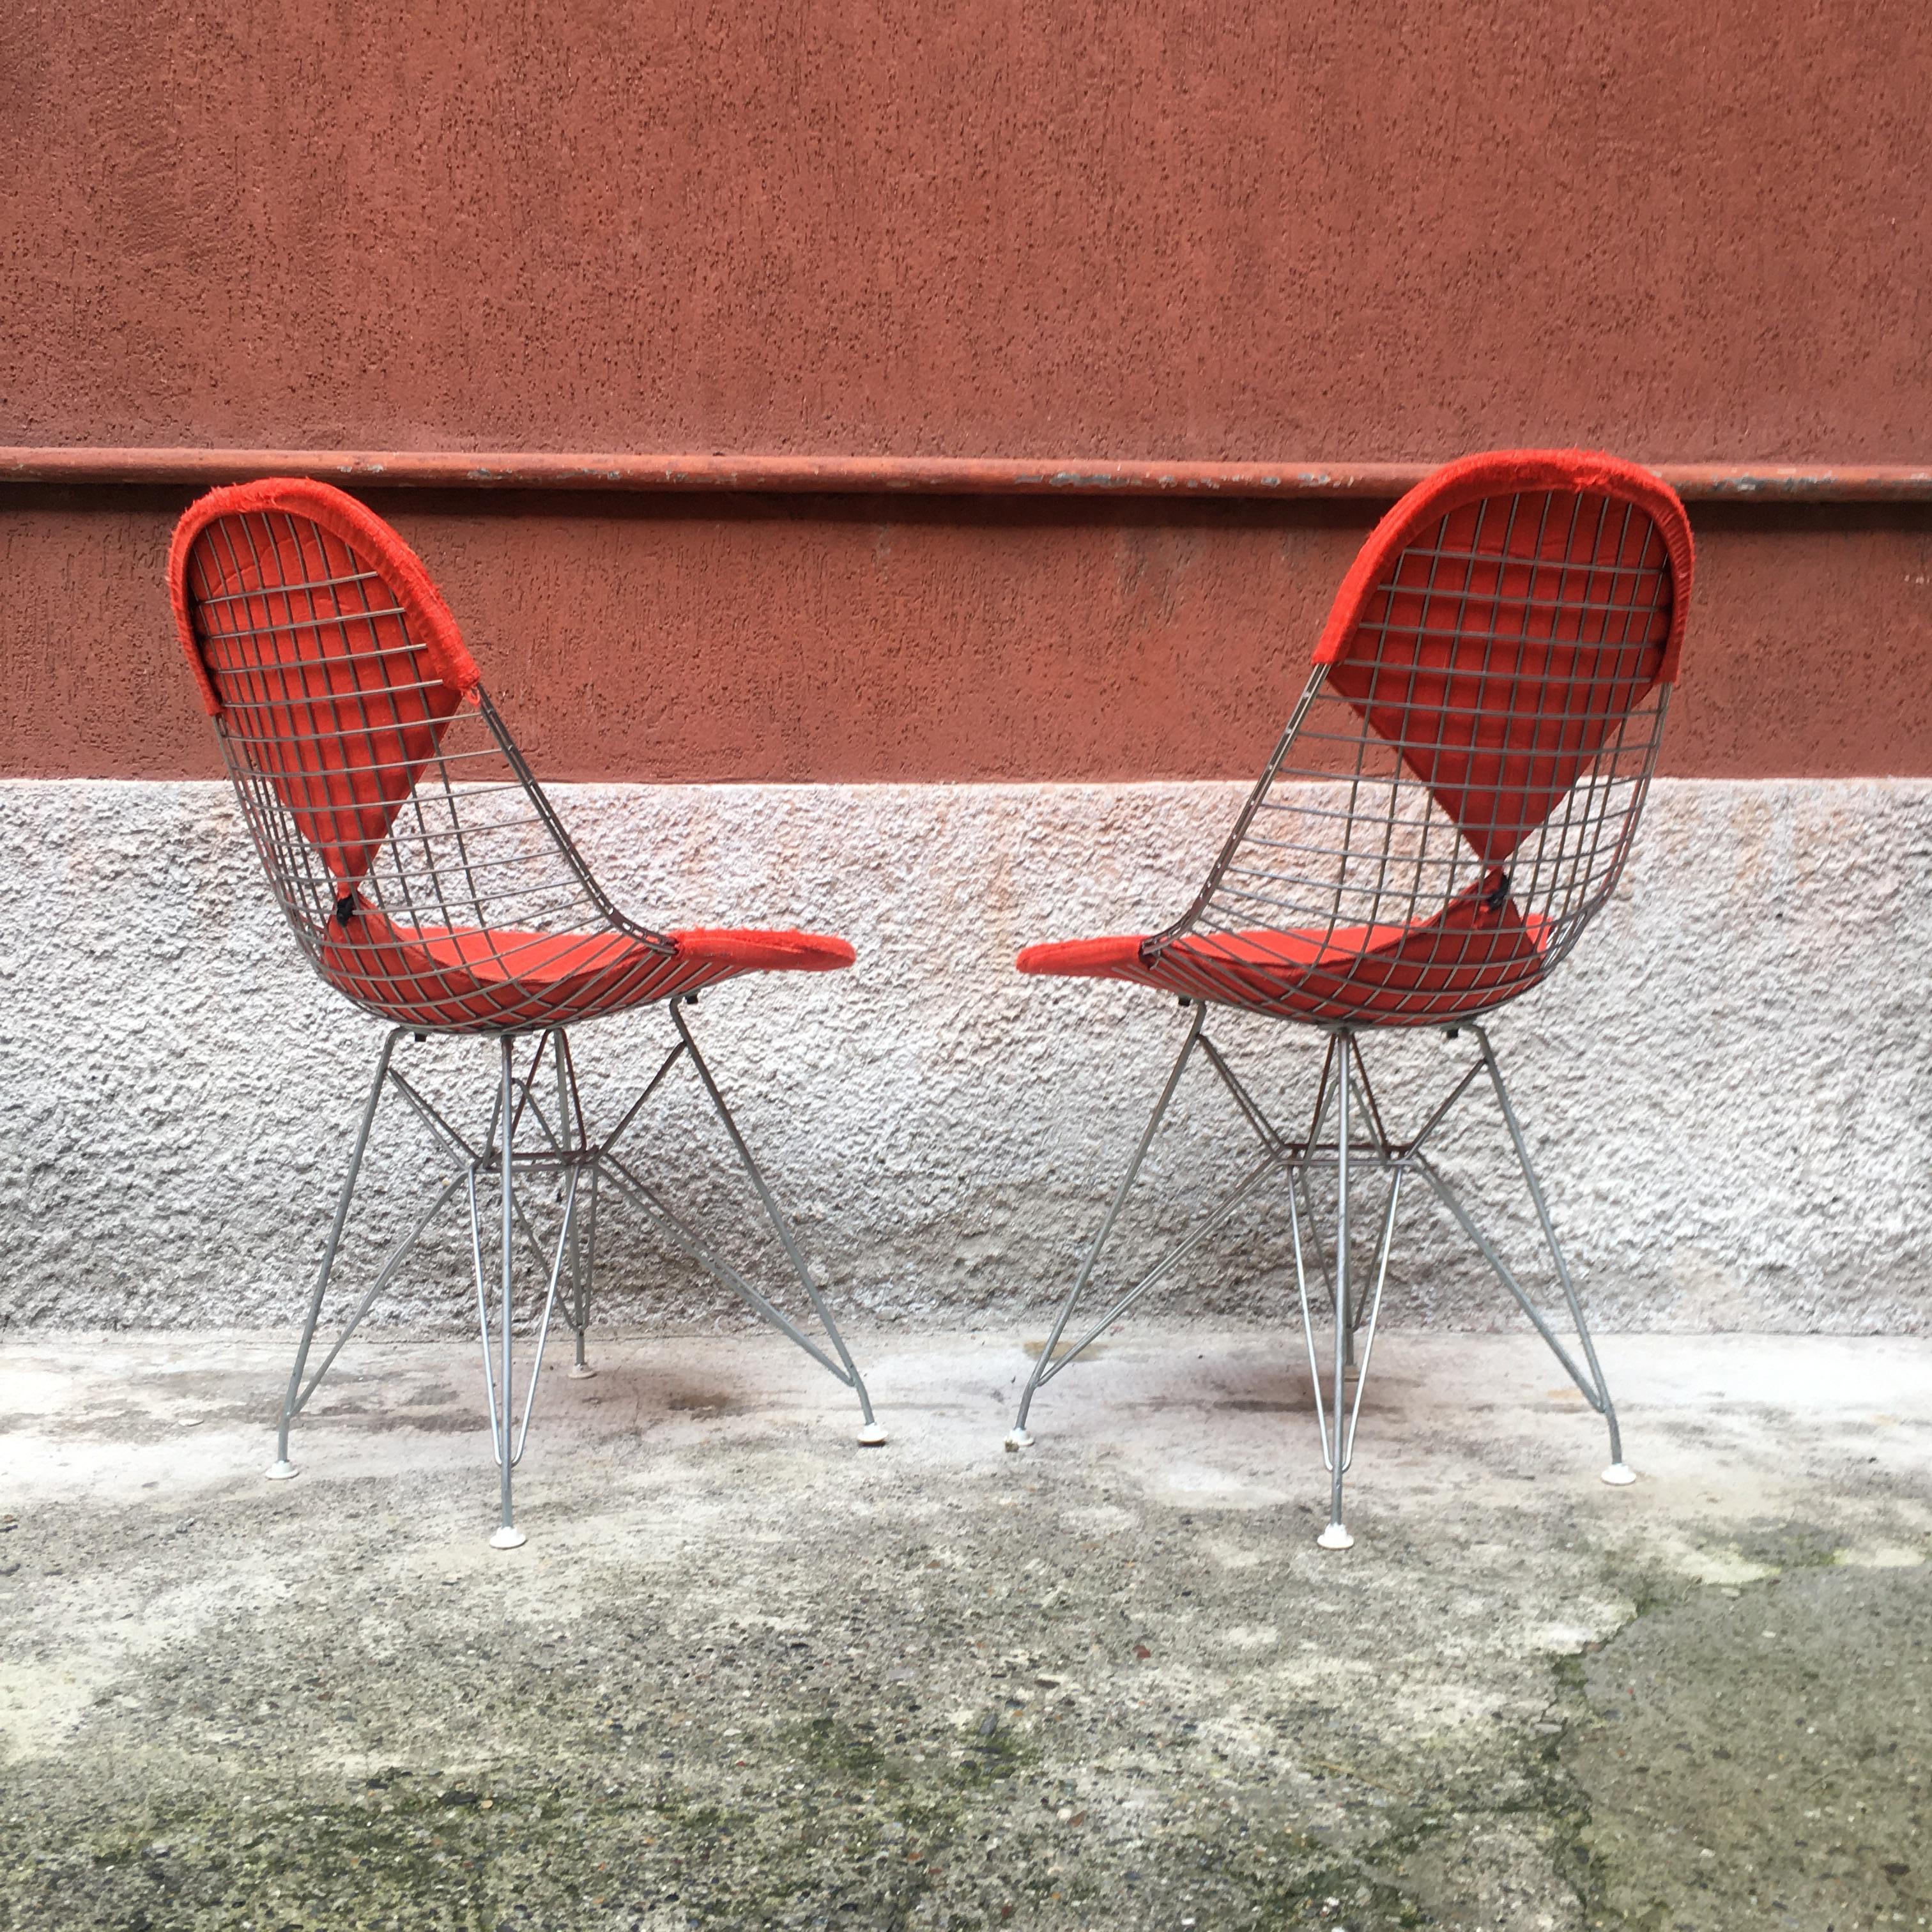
column 1729, row 1086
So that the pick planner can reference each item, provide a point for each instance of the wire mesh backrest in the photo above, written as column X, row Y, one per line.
column 374, row 775
column 1484, row 718
column 326, row 696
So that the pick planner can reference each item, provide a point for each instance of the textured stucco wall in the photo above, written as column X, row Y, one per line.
column 1323, row 231
column 1242, row 229
column 867, row 640
column 1729, row 1086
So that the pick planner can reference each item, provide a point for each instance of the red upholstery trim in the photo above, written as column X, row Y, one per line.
column 1498, row 472
column 431, row 624
column 1086, row 958
column 1471, row 957
column 1410, row 642
column 341, row 741
column 437, row 978
column 753, row 951
column 525, row 958
column 469, row 977
column 1099, row 958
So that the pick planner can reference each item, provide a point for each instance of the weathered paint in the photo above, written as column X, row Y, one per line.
column 933, row 475
column 1190, row 252
column 857, row 639
column 1121, row 231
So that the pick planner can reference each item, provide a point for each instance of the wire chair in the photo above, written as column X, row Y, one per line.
column 1453, row 801
column 426, row 877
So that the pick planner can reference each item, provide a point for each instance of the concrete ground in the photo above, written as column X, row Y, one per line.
column 744, row 1673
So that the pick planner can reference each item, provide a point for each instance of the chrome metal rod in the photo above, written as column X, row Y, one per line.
column 289, row 1401
column 530, row 1234
column 483, row 1315
column 530, row 1104
column 550, row 1304
column 1044, row 1367
column 399, row 1252
column 1324, row 1098
column 1300, row 1186
column 1501, row 1269
column 1442, row 1114
column 617, row 1132
column 1365, row 1092
column 505, row 1462
column 1603, row 1405
column 1307, row 1320
column 1336, row 1530
column 432, row 1118
column 1261, row 1171
column 569, row 1109
column 590, row 1249
column 1264, row 1129
column 776, row 1215
column 522, row 1090
column 687, row 1237
column 1374, row 1312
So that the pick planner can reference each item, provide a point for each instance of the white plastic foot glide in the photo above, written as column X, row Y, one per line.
column 280, row 1471
column 1017, row 1439
column 581, row 1371
column 508, row 1538
column 1336, row 1537
column 1619, row 1475
column 872, row 1435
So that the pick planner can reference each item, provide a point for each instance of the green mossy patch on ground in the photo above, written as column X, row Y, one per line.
column 758, row 1684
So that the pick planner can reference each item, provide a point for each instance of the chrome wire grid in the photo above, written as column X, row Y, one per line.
column 1453, row 799
column 425, row 875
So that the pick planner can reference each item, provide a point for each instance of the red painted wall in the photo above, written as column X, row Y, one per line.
column 1240, row 231
column 853, row 639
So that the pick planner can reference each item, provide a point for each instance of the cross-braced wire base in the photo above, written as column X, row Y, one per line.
column 530, row 1137
column 1346, row 1133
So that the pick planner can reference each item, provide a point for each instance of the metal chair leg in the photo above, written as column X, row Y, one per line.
column 1336, row 1536
column 569, row 1147
column 1018, row 1436
column 872, row 1433
column 508, row 1436
column 507, row 1535
column 1338, row 1445
column 567, row 1109
column 281, row 1469
column 1619, row 1474
column 1338, row 1278
column 583, row 1269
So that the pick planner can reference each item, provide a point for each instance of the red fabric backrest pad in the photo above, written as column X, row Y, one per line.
column 320, row 643
column 1503, row 620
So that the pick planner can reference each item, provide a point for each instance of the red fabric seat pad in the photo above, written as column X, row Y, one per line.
column 318, row 639
column 1503, row 619
column 465, row 977
column 1478, row 951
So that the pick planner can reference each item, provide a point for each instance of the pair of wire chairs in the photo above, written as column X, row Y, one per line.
column 1452, row 802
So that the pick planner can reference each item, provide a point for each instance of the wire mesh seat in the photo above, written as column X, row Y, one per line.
column 426, row 877
column 1453, row 801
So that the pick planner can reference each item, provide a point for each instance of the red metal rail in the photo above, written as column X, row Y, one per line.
column 927, row 475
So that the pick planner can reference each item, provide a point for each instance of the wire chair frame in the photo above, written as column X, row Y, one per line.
column 1453, row 800
column 426, row 876
column 420, row 866
column 1424, row 844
